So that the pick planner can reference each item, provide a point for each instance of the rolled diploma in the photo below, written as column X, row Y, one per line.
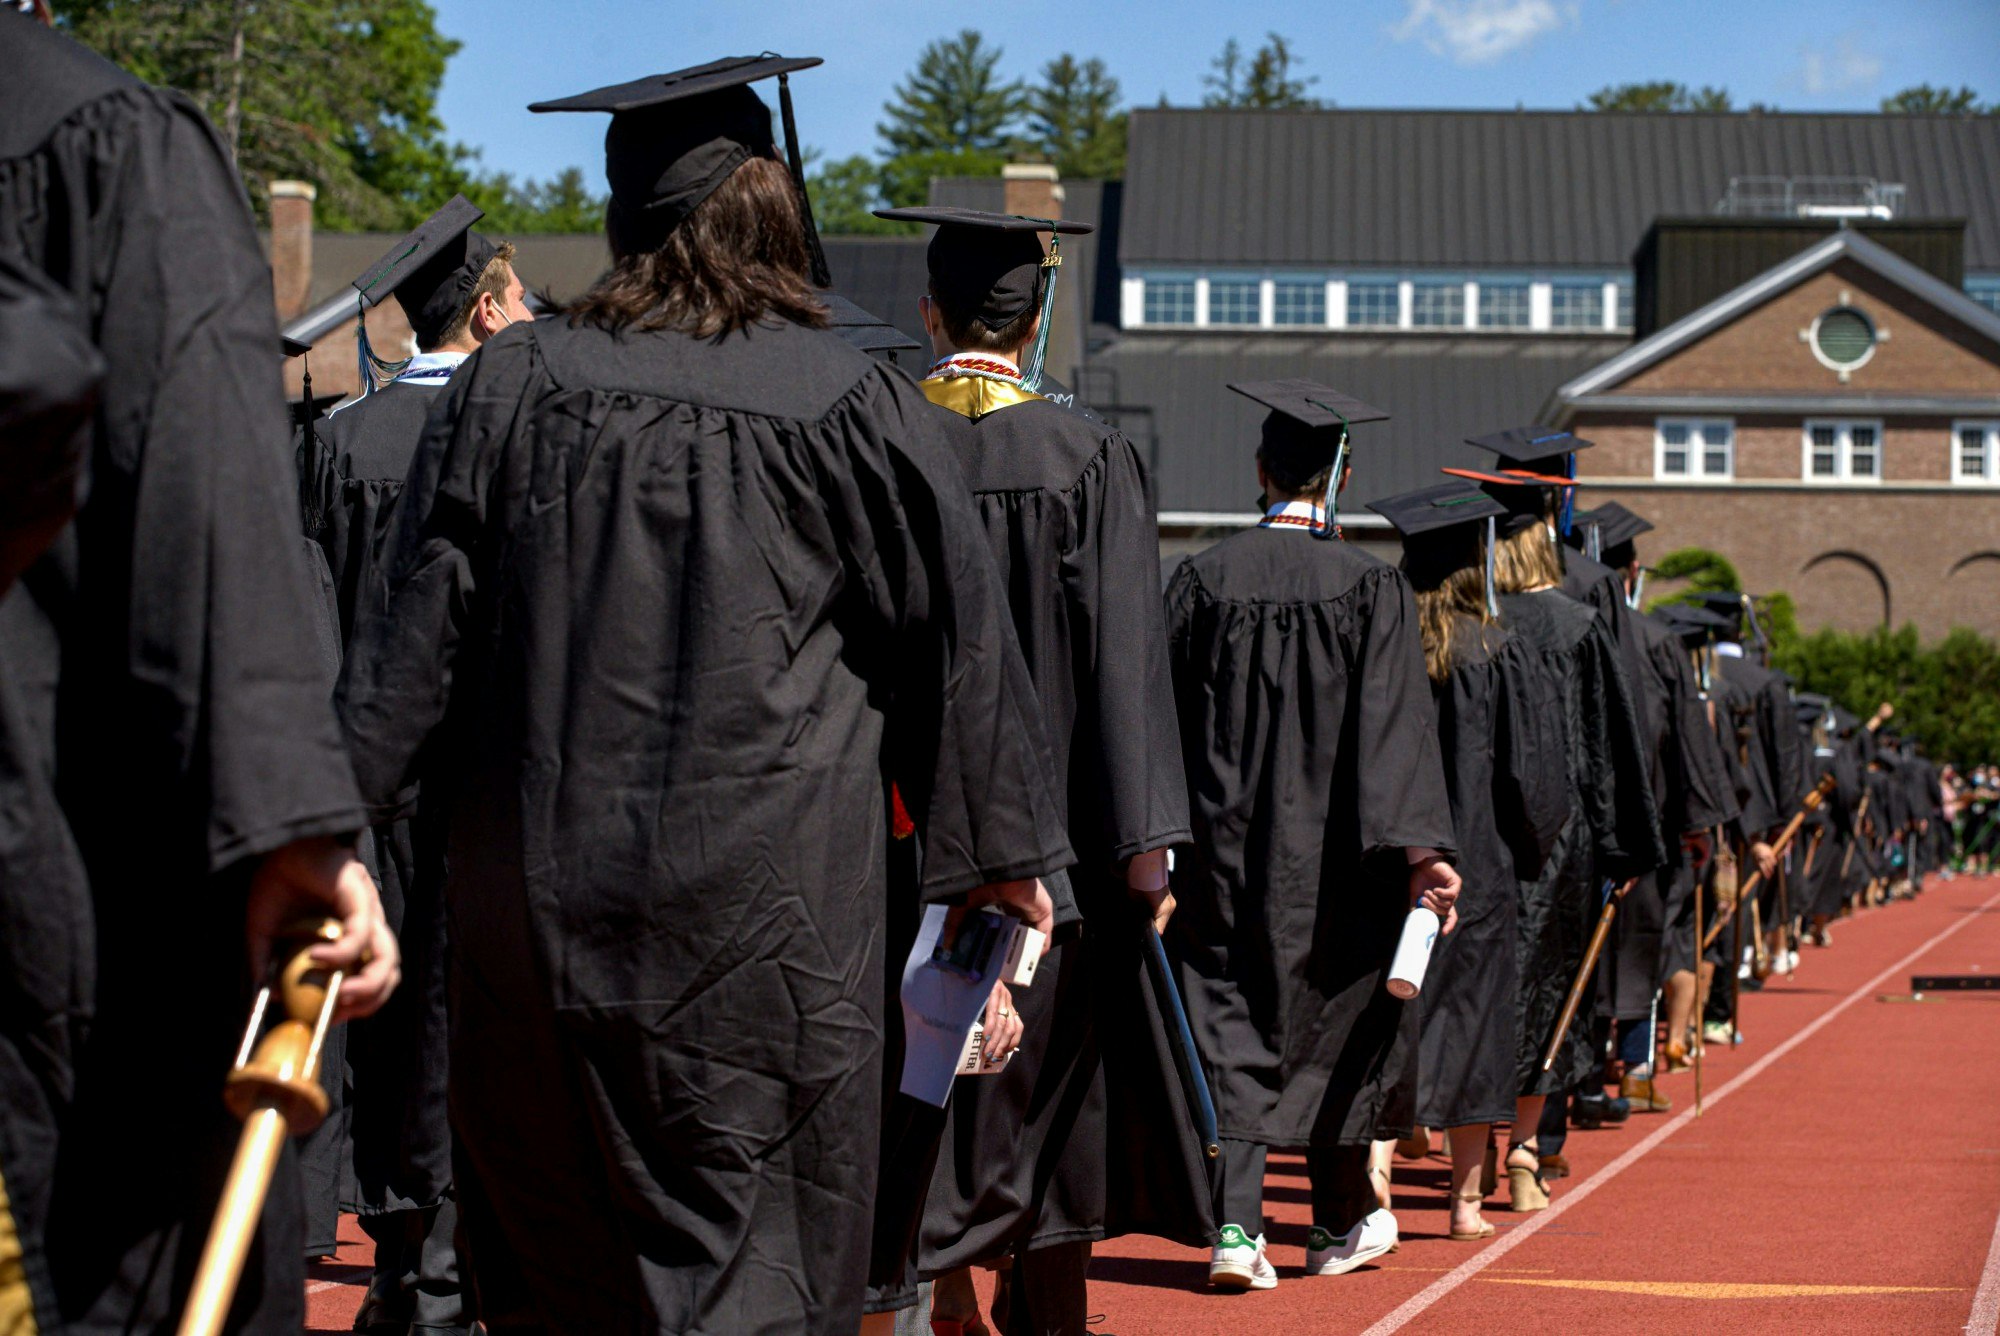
column 1413, row 954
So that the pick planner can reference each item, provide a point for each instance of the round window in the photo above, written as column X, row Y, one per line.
column 1843, row 338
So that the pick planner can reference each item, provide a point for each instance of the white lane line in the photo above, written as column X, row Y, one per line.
column 1521, row 1233
column 1985, row 1319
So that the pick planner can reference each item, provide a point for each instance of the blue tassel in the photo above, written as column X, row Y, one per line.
column 1492, row 541
column 1031, row 374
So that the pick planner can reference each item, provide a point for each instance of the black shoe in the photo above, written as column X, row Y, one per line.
column 1753, row 984
column 1591, row 1112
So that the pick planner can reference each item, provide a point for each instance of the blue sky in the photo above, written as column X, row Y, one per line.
column 1829, row 54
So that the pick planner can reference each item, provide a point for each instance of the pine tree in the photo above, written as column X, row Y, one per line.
column 1264, row 81
column 1074, row 121
column 952, row 102
column 1660, row 95
column 1923, row 98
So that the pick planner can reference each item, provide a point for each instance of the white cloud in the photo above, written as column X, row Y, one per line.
column 1847, row 65
column 1478, row 32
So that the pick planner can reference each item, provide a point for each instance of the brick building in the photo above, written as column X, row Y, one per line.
column 1832, row 425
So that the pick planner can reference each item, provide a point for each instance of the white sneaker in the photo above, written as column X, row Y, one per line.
column 1239, row 1263
column 1334, row 1254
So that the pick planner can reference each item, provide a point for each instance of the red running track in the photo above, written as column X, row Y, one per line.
column 1844, row 1177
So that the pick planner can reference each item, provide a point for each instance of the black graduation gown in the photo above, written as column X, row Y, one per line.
column 49, row 377
column 670, row 615
column 1653, row 934
column 1313, row 764
column 1612, row 834
column 1086, row 1134
column 1499, row 729
column 400, row 1135
column 163, row 707
column 1771, row 748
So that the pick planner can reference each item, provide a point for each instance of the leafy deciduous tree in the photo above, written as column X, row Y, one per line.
column 1924, row 98
column 1661, row 95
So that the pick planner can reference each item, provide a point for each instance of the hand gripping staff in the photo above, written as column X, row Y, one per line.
column 1821, row 792
column 275, row 1090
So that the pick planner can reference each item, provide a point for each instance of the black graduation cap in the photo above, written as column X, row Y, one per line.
column 1522, row 494
column 1537, row 449
column 1691, row 623
column 987, row 264
column 675, row 137
column 1429, row 509
column 1727, row 606
column 1616, row 525
column 433, row 270
column 861, row 330
column 1307, row 422
column 1440, row 526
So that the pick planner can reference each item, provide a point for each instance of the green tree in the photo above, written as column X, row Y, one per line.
column 342, row 93
column 1662, row 95
column 953, row 101
column 1264, row 80
column 1924, row 98
column 844, row 194
column 562, row 204
column 1073, row 119
column 1705, row 572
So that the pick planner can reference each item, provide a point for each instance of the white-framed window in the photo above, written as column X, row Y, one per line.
column 1169, row 301
column 1984, row 289
column 1576, row 304
column 1624, row 313
column 1298, row 301
column 1975, row 452
column 1374, row 301
column 1437, row 304
column 1694, row 450
column 1504, row 304
column 1235, row 301
column 1843, row 451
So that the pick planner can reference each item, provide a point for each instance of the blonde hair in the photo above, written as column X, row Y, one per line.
column 1461, row 596
column 1526, row 560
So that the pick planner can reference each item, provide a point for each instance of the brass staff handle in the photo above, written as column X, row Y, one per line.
column 275, row 1090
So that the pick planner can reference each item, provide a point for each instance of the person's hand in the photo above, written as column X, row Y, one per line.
column 1002, row 1025
column 322, row 876
column 1435, row 884
column 1766, row 859
column 1027, row 900
column 1146, row 878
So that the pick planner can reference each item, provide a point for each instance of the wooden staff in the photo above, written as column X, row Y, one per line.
column 276, row 1092
column 1700, row 993
column 1821, row 792
column 1582, row 981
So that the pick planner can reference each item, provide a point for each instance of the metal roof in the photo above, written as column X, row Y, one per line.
column 1510, row 189
column 1202, row 440
column 884, row 276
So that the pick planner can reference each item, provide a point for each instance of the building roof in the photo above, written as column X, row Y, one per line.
column 1846, row 244
column 1513, row 189
column 1201, row 441
column 884, row 276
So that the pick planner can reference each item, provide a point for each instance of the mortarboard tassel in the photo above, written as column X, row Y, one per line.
column 1329, row 525
column 1638, row 589
column 1031, row 374
column 1569, row 493
column 1492, row 542
column 1593, row 541
column 822, row 277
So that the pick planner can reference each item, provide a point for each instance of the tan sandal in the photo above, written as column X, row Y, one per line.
column 1485, row 1230
column 1525, row 1190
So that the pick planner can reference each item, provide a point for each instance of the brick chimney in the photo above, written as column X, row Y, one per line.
column 291, row 245
column 1034, row 190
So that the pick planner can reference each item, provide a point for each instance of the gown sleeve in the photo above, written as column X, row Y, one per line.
column 1125, row 682
column 220, row 639
column 409, row 625
column 964, row 745
column 49, row 378
column 1402, row 801
column 1618, row 792
column 1708, row 799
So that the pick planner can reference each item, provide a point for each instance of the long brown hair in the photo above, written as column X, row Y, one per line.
column 1526, row 560
column 741, row 257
